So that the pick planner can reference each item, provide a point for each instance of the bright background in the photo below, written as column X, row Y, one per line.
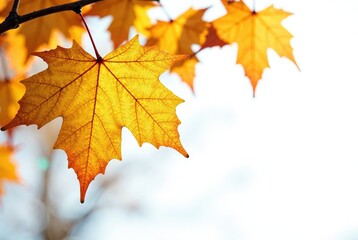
column 282, row 165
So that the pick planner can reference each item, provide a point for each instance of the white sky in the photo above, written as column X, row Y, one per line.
column 281, row 166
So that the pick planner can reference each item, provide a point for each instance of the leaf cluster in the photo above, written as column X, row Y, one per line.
column 98, row 96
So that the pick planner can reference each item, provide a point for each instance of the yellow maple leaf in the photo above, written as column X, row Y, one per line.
column 178, row 35
column 11, row 92
column 254, row 32
column 38, row 31
column 186, row 70
column 7, row 167
column 125, row 13
column 12, row 49
column 96, row 98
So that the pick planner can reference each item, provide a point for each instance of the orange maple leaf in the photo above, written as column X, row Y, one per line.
column 178, row 35
column 38, row 31
column 254, row 32
column 186, row 70
column 11, row 92
column 125, row 13
column 7, row 167
column 12, row 50
column 97, row 98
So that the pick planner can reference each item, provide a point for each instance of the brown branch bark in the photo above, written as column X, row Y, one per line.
column 14, row 20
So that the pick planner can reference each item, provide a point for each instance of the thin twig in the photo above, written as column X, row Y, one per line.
column 15, row 6
column 13, row 21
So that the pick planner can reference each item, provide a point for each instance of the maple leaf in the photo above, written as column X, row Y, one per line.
column 96, row 98
column 126, row 13
column 178, row 35
column 254, row 32
column 12, row 50
column 212, row 39
column 7, row 167
column 39, row 31
column 11, row 92
column 186, row 70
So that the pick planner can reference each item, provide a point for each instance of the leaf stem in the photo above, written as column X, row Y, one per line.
column 165, row 12
column 99, row 58
column 14, row 20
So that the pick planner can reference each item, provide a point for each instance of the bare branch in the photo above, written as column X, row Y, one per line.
column 15, row 6
column 14, row 20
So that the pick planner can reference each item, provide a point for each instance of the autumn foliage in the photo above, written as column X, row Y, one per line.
column 7, row 166
column 97, row 96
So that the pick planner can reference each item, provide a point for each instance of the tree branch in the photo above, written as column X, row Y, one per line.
column 14, row 20
column 15, row 6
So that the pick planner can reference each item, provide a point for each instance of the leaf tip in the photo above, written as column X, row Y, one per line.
column 184, row 153
column 83, row 191
column 82, row 197
column 6, row 127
